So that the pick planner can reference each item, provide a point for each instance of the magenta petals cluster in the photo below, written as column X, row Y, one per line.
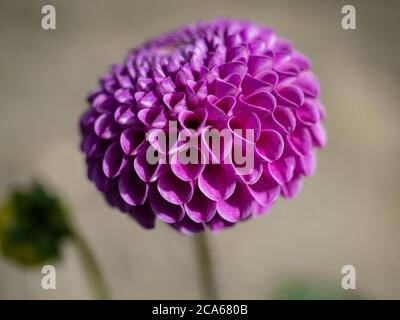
column 222, row 74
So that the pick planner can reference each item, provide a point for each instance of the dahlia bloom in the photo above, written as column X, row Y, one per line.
column 223, row 74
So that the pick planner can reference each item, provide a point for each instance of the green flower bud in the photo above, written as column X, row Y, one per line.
column 33, row 224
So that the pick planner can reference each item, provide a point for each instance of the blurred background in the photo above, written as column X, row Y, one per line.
column 348, row 213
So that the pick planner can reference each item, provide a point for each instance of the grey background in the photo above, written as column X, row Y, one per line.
column 348, row 213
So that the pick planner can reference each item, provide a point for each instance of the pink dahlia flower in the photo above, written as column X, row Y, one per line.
column 224, row 74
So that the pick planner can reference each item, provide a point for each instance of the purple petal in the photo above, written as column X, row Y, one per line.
column 283, row 120
column 258, row 64
column 261, row 103
column 173, row 189
column 125, row 116
column 290, row 96
column 238, row 206
column 188, row 226
column 307, row 164
column 164, row 210
column 282, row 169
column 144, row 215
column 165, row 86
column 131, row 140
column 149, row 100
column 229, row 68
column 96, row 174
column 300, row 141
column 292, row 188
column 175, row 101
column 265, row 191
column 194, row 120
column 154, row 117
column 146, row 171
column 133, row 190
column 217, row 223
column 114, row 161
column 251, row 85
column 243, row 121
column 221, row 188
column 124, row 96
column 255, row 173
column 224, row 88
column 318, row 135
column 105, row 126
column 270, row 145
column 187, row 171
column 308, row 83
column 307, row 113
column 200, row 208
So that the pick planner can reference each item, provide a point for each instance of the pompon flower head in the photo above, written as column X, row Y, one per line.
column 225, row 75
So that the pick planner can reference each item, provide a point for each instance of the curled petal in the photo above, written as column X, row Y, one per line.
column 144, row 215
column 270, row 145
column 125, row 116
column 93, row 146
column 173, row 189
column 282, row 120
column 104, row 103
column 308, row 83
column 251, row 85
column 175, row 101
column 193, row 120
column 218, row 109
column 146, row 171
column 259, row 210
column 105, row 127
column 149, row 100
column 307, row 113
column 282, row 169
column 197, row 92
column 307, row 164
column 265, row 191
column 164, row 210
column 133, row 190
column 242, row 122
column 131, row 140
column 221, row 188
column 318, row 135
column 224, row 88
column 238, row 206
column 217, row 223
column 154, row 117
column 200, row 208
column 258, row 64
column 165, row 86
column 300, row 141
column 125, row 96
column 290, row 96
column 261, row 103
column 254, row 174
column 238, row 53
column 114, row 160
column 292, row 188
column 229, row 68
column 190, row 169
column 96, row 174
column 188, row 226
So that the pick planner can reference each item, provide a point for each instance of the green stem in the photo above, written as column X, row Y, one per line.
column 206, row 272
column 91, row 268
